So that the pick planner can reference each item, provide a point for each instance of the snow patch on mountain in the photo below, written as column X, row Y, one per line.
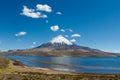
column 62, row 40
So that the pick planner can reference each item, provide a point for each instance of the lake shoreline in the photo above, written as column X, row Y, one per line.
column 23, row 68
column 19, row 70
column 77, row 64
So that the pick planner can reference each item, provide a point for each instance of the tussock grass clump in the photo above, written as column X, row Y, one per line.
column 17, row 63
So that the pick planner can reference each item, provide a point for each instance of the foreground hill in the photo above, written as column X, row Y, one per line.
column 60, row 46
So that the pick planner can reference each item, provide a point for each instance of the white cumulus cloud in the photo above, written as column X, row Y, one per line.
column 21, row 34
column 32, row 13
column 54, row 28
column 44, row 7
column 59, row 13
column 76, row 35
column 72, row 40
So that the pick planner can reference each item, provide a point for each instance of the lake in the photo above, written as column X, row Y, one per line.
column 77, row 64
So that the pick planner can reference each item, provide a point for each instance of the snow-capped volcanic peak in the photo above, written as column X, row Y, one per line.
column 60, row 39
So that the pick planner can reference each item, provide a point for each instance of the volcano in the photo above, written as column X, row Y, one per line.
column 60, row 46
column 61, row 43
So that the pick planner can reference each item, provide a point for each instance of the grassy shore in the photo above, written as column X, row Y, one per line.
column 14, row 70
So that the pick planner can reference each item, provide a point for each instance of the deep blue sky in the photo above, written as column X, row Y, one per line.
column 97, row 21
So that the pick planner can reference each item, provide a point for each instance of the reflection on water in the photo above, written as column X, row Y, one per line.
column 61, row 60
column 78, row 64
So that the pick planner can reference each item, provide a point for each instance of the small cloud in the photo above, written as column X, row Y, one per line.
column 34, row 43
column 32, row 13
column 70, row 30
column 44, row 7
column 73, row 40
column 59, row 13
column 62, row 30
column 76, row 35
column 54, row 28
column 21, row 34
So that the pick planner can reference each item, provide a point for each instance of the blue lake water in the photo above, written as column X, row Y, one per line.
column 84, row 64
